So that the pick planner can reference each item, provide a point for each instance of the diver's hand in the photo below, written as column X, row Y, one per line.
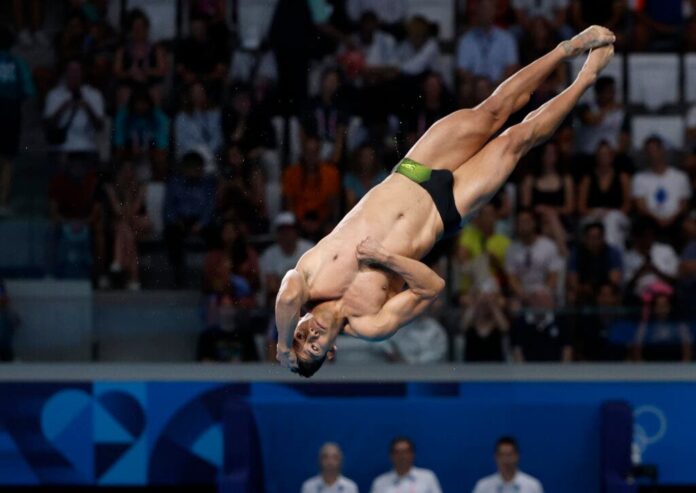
column 286, row 357
column 371, row 251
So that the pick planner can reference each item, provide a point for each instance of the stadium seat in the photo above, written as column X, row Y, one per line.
column 648, row 89
column 670, row 128
column 615, row 69
column 690, row 77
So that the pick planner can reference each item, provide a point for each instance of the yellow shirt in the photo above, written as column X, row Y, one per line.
column 473, row 240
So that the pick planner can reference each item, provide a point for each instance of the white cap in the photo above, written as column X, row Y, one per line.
column 284, row 219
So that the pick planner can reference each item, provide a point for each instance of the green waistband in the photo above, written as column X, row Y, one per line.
column 413, row 170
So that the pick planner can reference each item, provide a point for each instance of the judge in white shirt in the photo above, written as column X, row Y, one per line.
column 405, row 478
column 508, row 479
column 329, row 479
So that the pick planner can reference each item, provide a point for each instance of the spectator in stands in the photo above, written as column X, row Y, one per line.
column 376, row 47
column 658, row 25
column 687, row 267
column 434, row 103
column 549, row 190
column 552, row 12
column 326, row 117
column 215, row 14
column 603, row 120
column 281, row 256
column 405, row 476
column 71, row 42
column 230, row 284
column 424, row 341
column 140, row 62
column 605, row 195
column 419, row 52
column 311, row 189
column 30, row 33
column 539, row 334
column 15, row 86
column 330, row 479
column 592, row 264
column 648, row 262
column 661, row 336
column 661, row 192
column 74, row 113
column 188, row 210
column 390, row 13
column 141, row 133
column 242, row 191
column 599, row 331
column 126, row 202
column 199, row 127
column 486, row 49
column 486, row 328
column 538, row 40
column 245, row 125
column 77, row 215
column 9, row 321
column 532, row 262
column 480, row 256
column 366, row 172
column 509, row 477
column 200, row 59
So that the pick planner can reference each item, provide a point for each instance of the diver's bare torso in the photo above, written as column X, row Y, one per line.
column 400, row 215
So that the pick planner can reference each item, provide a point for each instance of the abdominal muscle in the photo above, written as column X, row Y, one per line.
column 400, row 215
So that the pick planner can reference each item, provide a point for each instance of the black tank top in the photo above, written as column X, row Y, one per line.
column 611, row 198
column 555, row 198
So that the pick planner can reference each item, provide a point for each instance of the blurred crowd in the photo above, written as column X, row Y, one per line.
column 244, row 148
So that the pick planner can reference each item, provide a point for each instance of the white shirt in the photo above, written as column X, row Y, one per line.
column 487, row 53
column 275, row 261
column 81, row 135
column 423, row 340
column 521, row 483
column 662, row 192
column 662, row 256
column 416, row 481
column 412, row 62
column 532, row 264
column 609, row 129
column 317, row 485
column 380, row 52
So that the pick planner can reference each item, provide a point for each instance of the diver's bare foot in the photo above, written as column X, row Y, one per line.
column 597, row 60
column 592, row 37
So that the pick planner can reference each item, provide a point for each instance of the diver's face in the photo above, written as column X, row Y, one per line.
column 312, row 339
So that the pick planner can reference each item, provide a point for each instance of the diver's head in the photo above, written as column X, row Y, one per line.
column 313, row 342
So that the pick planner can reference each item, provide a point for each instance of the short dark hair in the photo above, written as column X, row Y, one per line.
column 654, row 139
column 137, row 15
column 308, row 368
column 507, row 440
column 603, row 82
column 400, row 439
column 593, row 225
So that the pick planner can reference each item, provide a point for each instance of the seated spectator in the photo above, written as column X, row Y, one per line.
column 327, row 118
column 9, row 321
column 230, row 284
column 423, row 341
column 481, row 254
column 687, row 267
column 242, row 192
column 434, row 103
column 72, row 39
column 126, row 201
column 215, row 14
column 603, row 333
column 405, row 476
column 73, row 114
column 552, row 12
column 247, row 126
column 377, row 48
column 661, row 336
column 549, row 190
column 648, row 262
column 537, row 41
column 329, row 479
column 532, row 262
column 592, row 264
column 604, row 119
column 605, row 195
column 485, row 328
column 140, row 62
column 658, row 25
column 199, row 127
column 200, row 59
column 486, row 49
column 282, row 255
column 141, row 133
column 365, row 173
column 509, row 477
column 77, row 215
column 419, row 52
column 189, row 205
column 311, row 189
column 15, row 86
column 661, row 192
column 538, row 334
